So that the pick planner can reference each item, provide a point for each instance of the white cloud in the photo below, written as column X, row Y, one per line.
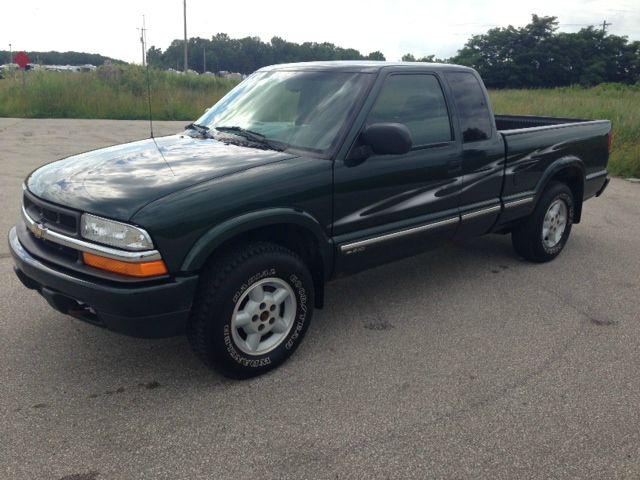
column 393, row 26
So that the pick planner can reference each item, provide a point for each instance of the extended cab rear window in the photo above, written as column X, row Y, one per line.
column 417, row 101
column 475, row 119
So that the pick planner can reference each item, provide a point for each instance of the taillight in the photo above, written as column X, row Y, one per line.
column 610, row 143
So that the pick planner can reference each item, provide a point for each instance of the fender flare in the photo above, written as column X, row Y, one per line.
column 217, row 235
column 564, row 163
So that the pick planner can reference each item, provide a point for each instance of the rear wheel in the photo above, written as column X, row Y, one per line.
column 545, row 232
column 252, row 309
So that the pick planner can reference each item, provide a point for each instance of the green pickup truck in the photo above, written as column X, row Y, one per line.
column 304, row 172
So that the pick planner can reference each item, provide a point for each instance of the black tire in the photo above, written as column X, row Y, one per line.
column 225, row 286
column 528, row 240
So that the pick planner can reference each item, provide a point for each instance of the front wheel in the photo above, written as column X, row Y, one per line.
column 545, row 232
column 252, row 309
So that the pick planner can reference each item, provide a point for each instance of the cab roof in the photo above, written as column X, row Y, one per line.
column 361, row 66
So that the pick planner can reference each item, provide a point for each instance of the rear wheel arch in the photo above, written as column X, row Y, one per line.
column 571, row 172
column 543, row 234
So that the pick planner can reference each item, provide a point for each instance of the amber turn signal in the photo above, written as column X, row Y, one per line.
column 140, row 270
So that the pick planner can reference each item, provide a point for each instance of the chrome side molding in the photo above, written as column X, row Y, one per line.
column 518, row 203
column 399, row 234
column 360, row 245
column 481, row 212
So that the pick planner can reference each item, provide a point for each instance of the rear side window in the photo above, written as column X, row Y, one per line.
column 475, row 119
column 416, row 101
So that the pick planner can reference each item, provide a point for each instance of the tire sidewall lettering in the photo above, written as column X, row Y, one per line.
column 296, row 283
column 301, row 316
column 271, row 272
column 241, row 359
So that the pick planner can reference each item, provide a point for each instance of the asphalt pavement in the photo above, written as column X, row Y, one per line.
column 465, row 362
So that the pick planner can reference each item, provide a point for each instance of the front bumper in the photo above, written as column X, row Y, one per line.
column 140, row 310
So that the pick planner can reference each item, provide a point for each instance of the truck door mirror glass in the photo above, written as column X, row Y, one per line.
column 387, row 138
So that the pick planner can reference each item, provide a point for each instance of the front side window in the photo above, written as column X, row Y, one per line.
column 416, row 101
column 299, row 109
column 475, row 119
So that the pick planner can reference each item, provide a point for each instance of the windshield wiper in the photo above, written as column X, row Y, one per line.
column 201, row 129
column 250, row 135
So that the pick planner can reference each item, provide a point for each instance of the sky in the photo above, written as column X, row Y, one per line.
column 394, row 27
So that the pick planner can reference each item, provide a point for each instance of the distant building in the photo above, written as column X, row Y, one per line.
column 51, row 68
column 230, row 75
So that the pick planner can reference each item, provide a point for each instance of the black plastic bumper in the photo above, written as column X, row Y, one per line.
column 604, row 186
column 149, row 311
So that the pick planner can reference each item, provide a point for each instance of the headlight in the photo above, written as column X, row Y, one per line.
column 115, row 234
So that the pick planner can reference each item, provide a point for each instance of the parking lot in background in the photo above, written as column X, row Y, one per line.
column 465, row 362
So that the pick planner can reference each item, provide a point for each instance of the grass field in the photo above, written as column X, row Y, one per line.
column 119, row 92
column 115, row 92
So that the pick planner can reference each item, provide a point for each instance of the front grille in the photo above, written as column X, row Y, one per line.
column 44, row 246
column 54, row 250
column 56, row 218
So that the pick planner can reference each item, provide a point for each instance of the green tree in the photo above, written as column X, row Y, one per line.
column 248, row 54
column 154, row 57
column 63, row 58
column 377, row 55
column 537, row 56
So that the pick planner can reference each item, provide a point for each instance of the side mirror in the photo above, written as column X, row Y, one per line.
column 387, row 138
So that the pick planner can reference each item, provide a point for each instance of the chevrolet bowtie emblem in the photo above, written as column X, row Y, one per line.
column 38, row 230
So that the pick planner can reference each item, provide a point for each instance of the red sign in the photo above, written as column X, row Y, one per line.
column 22, row 59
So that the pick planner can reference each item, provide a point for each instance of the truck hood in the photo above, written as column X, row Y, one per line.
column 117, row 181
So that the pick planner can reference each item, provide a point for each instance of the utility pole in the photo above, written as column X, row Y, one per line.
column 186, row 65
column 143, row 41
column 605, row 25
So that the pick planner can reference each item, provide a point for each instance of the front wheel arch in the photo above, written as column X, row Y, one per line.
column 296, row 231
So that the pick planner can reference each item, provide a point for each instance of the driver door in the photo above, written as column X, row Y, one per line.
column 391, row 206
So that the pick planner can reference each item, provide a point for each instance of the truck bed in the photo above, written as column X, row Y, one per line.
column 533, row 144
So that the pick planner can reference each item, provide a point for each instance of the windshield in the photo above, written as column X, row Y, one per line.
column 303, row 109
